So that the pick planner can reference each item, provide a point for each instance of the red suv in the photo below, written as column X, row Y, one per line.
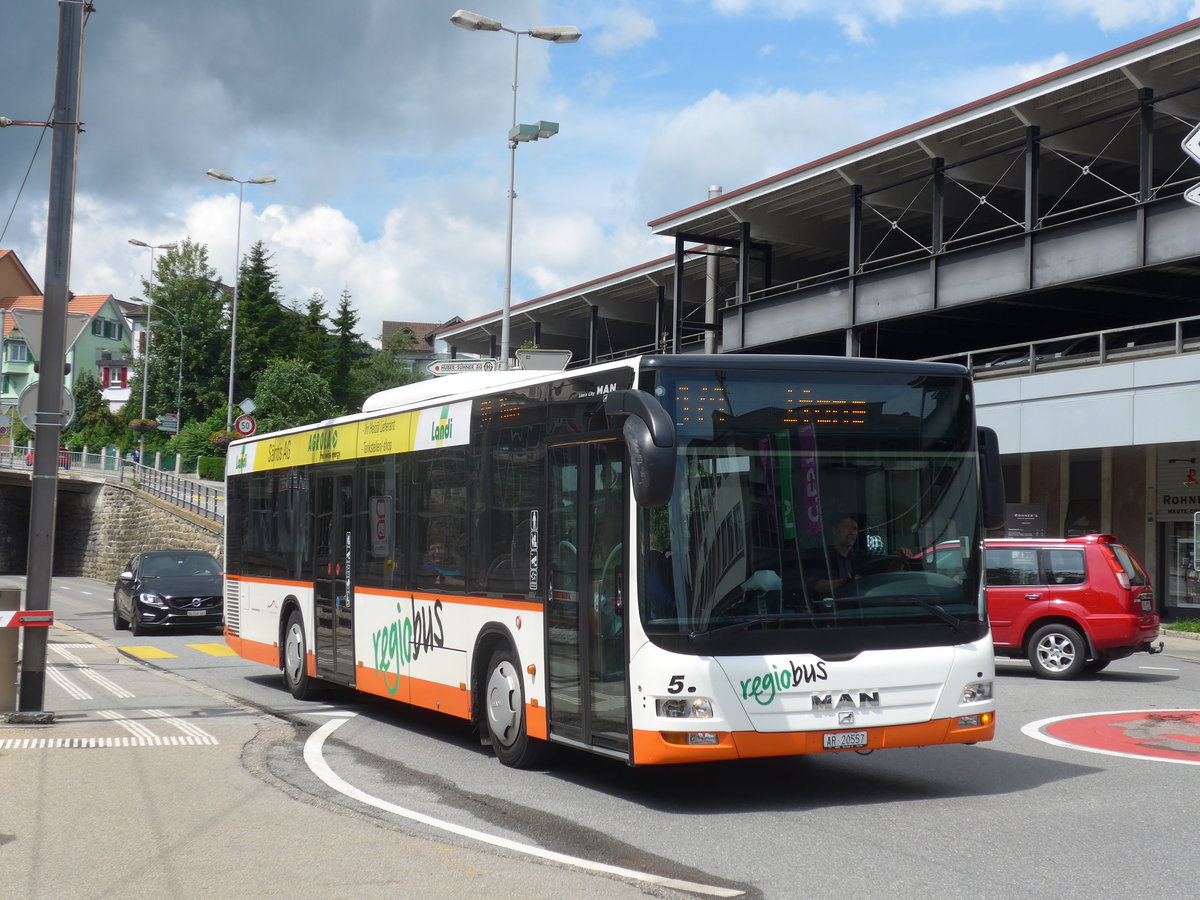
column 1069, row 605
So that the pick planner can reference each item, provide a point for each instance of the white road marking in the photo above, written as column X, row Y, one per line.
column 87, row 671
column 76, row 692
column 314, row 757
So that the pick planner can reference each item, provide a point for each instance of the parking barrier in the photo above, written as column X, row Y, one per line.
column 13, row 617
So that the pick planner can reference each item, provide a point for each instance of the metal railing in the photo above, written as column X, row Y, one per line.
column 203, row 498
column 1170, row 337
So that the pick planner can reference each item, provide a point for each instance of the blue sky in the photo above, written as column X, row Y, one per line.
column 385, row 125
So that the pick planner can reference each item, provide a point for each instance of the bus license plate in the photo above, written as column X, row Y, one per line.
column 197, row 612
column 845, row 740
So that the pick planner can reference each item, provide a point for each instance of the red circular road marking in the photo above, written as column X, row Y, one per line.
column 1169, row 735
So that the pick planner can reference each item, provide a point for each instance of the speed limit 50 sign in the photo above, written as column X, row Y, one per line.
column 244, row 426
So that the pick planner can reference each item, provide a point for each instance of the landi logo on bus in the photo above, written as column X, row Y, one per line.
column 443, row 428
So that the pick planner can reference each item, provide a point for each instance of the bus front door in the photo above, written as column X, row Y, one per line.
column 333, row 585
column 586, row 646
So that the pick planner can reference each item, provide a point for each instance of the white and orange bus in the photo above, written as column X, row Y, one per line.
column 631, row 558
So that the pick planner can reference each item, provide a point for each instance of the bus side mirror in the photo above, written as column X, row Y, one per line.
column 991, row 478
column 650, row 437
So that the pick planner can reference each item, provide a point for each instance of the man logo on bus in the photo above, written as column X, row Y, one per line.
column 444, row 427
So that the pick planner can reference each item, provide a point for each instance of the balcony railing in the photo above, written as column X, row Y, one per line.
column 1154, row 339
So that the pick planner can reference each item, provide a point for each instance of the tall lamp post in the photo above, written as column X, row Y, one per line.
column 179, row 384
column 262, row 179
column 146, row 348
column 556, row 34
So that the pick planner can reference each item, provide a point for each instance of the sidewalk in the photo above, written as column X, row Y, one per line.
column 149, row 785
column 1181, row 644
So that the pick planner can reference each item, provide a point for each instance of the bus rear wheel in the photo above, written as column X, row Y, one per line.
column 295, row 659
column 504, row 701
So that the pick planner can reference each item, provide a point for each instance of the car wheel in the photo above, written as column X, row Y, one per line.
column 1057, row 651
column 295, row 659
column 119, row 624
column 136, row 628
column 504, row 699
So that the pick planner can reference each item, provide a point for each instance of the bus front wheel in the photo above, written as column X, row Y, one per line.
column 295, row 658
column 505, row 712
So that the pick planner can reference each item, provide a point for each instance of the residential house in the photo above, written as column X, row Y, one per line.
column 103, row 348
column 428, row 346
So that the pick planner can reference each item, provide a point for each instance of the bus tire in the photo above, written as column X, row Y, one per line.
column 504, row 712
column 295, row 659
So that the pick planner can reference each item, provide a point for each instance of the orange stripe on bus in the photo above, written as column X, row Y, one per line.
column 250, row 579
column 267, row 654
column 651, row 748
column 452, row 700
column 360, row 592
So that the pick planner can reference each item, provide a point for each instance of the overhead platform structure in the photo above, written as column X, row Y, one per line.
column 1047, row 209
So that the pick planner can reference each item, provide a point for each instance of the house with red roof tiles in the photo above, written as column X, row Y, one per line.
column 103, row 348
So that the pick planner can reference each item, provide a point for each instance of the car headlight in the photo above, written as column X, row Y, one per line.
column 976, row 691
column 685, row 708
column 151, row 599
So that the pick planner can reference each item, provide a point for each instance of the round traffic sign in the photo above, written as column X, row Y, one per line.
column 244, row 425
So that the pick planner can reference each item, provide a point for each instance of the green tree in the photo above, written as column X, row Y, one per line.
column 94, row 425
column 193, row 441
column 189, row 339
column 348, row 349
column 388, row 367
column 313, row 341
column 266, row 330
column 289, row 393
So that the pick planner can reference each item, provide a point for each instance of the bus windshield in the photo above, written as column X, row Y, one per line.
column 810, row 501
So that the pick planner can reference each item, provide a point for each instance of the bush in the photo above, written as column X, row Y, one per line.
column 211, row 468
column 1192, row 625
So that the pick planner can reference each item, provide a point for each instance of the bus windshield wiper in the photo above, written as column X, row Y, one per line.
column 938, row 612
column 747, row 624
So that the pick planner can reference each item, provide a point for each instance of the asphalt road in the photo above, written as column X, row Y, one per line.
column 1018, row 816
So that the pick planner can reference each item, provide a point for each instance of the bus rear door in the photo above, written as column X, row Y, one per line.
column 333, row 583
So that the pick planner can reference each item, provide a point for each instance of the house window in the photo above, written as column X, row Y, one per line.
column 98, row 327
column 16, row 351
column 113, row 377
column 112, row 330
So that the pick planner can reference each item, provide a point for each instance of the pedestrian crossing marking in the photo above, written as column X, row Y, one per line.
column 214, row 649
column 147, row 653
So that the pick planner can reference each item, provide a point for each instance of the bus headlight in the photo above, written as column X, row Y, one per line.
column 976, row 691
column 685, row 708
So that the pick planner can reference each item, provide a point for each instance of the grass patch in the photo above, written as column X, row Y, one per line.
column 1192, row 625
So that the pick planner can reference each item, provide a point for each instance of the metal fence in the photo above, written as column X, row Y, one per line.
column 204, row 498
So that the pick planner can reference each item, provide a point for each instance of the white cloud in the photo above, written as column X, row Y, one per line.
column 626, row 28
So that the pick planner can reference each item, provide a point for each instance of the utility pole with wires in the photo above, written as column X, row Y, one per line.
column 52, row 354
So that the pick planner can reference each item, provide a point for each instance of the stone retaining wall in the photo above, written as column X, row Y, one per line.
column 99, row 525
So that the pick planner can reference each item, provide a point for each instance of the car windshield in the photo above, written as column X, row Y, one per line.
column 815, row 501
column 176, row 565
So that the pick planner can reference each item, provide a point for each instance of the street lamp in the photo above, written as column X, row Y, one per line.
column 179, row 384
column 146, row 348
column 556, row 34
column 262, row 179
